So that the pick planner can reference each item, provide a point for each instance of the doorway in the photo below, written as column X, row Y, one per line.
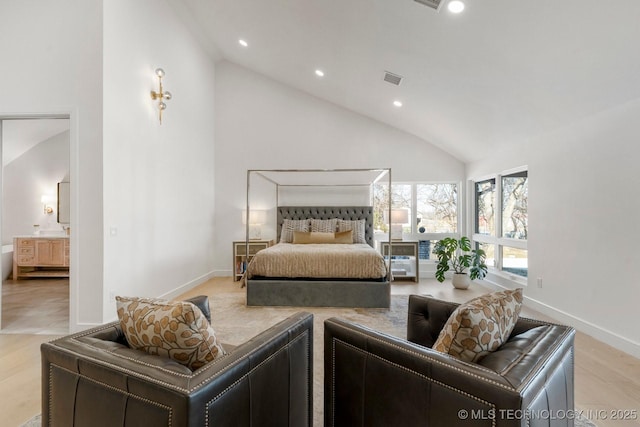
column 34, row 236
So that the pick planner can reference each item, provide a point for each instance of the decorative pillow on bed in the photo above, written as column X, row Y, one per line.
column 302, row 237
column 324, row 225
column 357, row 226
column 480, row 326
column 291, row 225
column 173, row 329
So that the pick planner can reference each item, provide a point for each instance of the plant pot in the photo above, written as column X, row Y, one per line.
column 460, row 281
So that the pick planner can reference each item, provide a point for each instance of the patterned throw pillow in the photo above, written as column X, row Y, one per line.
column 324, row 225
column 480, row 326
column 173, row 329
column 357, row 226
column 291, row 225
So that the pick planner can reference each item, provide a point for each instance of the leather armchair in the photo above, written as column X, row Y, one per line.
column 93, row 378
column 374, row 379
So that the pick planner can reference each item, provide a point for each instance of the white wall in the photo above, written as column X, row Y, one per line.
column 262, row 124
column 26, row 179
column 158, row 179
column 52, row 63
column 582, row 222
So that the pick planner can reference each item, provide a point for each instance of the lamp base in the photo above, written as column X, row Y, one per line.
column 254, row 232
column 396, row 231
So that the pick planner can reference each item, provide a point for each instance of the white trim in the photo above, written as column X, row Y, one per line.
column 608, row 337
column 187, row 286
column 514, row 170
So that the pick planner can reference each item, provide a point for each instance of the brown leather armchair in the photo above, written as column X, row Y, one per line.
column 374, row 379
column 93, row 378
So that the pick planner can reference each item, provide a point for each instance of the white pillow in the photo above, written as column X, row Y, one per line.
column 324, row 225
column 291, row 225
column 357, row 226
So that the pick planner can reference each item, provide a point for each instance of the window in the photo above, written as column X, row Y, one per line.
column 437, row 208
column 501, row 221
column 485, row 196
column 433, row 211
column 401, row 197
column 514, row 205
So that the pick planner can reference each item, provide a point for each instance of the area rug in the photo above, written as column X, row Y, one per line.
column 235, row 323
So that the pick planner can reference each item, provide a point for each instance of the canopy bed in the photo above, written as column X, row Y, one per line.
column 325, row 255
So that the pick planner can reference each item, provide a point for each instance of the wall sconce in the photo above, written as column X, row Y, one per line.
column 256, row 219
column 160, row 95
column 46, row 202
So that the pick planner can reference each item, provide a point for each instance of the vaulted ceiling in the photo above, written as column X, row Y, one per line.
column 501, row 72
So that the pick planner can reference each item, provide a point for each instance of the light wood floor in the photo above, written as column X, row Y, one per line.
column 605, row 378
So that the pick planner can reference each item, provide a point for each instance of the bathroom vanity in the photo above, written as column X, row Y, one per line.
column 40, row 256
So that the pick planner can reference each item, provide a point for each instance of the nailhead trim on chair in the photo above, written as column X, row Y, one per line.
column 464, row 393
column 232, row 385
column 110, row 387
column 540, row 366
column 146, row 377
column 423, row 356
column 561, row 365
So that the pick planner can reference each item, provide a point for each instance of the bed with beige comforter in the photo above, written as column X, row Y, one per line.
column 318, row 261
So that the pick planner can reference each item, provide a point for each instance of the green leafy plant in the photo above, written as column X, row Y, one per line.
column 457, row 255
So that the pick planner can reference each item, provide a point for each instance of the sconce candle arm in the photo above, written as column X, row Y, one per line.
column 161, row 94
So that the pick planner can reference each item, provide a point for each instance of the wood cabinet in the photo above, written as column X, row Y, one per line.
column 40, row 257
column 405, row 263
column 240, row 258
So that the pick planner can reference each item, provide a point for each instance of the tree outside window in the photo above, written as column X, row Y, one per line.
column 485, row 196
column 515, row 190
column 400, row 198
column 437, row 207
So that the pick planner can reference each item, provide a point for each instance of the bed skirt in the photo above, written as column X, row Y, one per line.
column 318, row 293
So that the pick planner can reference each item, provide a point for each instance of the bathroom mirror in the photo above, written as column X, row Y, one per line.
column 63, row 203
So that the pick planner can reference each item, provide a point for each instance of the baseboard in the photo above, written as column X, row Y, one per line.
column 222, row 273
column 608, row 337
column 187, row 286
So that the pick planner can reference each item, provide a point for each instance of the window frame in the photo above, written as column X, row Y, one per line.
column 497, row 241
column 414, row 234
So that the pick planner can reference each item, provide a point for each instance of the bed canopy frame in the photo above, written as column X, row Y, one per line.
column 290, row 178
column 319, row 292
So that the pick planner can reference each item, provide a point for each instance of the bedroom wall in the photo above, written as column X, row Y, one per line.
column 159, row 179
column 263, row 124
column 52, row 63
column 582, row 217
column 26, row 179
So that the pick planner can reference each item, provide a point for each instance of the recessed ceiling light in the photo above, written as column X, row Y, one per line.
column 243, row 43
column 397, row 103
column 319, row 73
column 455, row 6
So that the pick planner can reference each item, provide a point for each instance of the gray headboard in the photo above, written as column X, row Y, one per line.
column 328, row 212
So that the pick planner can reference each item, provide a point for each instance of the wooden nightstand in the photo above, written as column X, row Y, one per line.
column 240, row 260
column 404, row 255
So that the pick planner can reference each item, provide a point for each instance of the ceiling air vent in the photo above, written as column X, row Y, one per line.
column 431, row 3
column 394, row 79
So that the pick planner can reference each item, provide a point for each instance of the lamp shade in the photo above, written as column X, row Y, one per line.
column 256, row 216
column 399, row 216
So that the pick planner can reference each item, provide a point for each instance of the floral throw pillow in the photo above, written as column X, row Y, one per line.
column 481, row 325
column 173, row 329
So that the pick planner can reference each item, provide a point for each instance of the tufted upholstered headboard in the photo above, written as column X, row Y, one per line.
column 328, row 212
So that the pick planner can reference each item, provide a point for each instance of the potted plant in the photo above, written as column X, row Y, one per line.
column 457, row 255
